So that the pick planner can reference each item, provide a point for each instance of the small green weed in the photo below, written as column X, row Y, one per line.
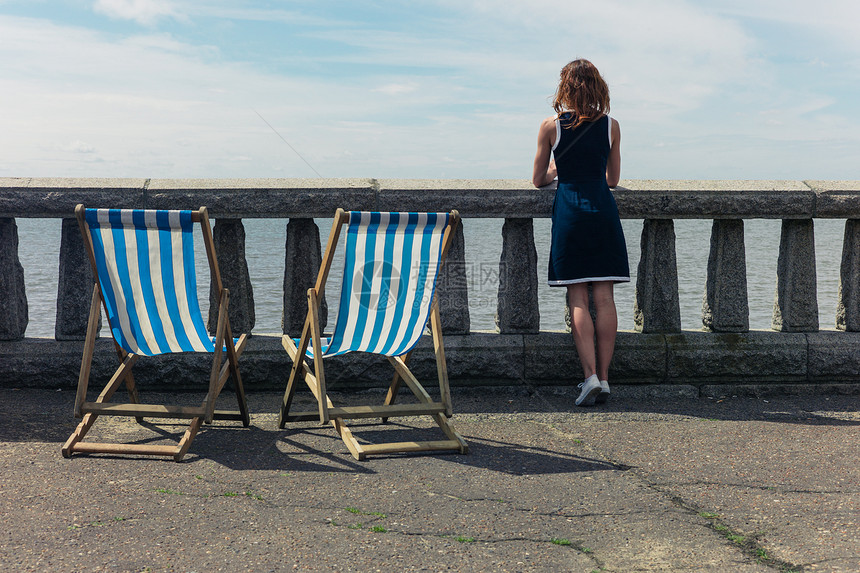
column 253, row 495
column 230, row 494
column 585, row 550
column 168, row 491
column 359, row 512
column 463, row 539
column 378, row 529
column 356, row 526
column 560, row 541
column 708, row 515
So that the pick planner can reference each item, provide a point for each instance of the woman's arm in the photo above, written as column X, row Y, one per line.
column 613, row 164
column 544, row 168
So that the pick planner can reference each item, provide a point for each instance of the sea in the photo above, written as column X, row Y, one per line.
column 39, row 245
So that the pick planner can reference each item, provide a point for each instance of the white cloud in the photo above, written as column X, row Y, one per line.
column 459, row 96
column 145, row 12
column 397, row 89
column 78, row 146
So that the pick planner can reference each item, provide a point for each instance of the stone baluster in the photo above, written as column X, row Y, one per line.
column 453, row 288
column 75, row 285
column 795, row 306
column 517, row 310
column 229, row 238
column 725, row 306
column 656, row 307
column 13, row 296
column 303, row 257
column 848, row 299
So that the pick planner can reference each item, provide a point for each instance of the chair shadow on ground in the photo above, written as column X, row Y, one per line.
column 522, row 459
column 308, row 447
column 314, row 448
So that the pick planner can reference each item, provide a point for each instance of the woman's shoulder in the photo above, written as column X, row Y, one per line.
column 548, row 124
column 549, row 121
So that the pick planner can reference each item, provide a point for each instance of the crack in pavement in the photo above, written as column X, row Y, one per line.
column 746, row 543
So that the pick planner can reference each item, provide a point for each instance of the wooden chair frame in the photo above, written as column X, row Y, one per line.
column 206, row 412
column 336, row 416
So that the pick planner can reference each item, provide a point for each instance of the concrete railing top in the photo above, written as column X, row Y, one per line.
column 285, row 198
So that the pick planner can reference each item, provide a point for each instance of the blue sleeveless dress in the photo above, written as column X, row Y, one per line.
column 587, row 241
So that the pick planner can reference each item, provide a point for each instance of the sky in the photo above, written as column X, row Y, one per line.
column 735, row 89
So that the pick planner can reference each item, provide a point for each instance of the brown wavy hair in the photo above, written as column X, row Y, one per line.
column 582, row 91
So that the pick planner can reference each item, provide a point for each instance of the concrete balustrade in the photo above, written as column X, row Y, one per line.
column 725, row 307
column 656, row 307
column 658, row 352
column 13, row 298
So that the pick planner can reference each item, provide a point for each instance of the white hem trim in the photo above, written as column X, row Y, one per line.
column 589, row 280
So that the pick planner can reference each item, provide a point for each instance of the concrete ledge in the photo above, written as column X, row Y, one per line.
column 756, row 356
column 471, row 197
column 57, row 197
column 551, row 357
column 723, row 199
column 836, row 198
column 703, row 360
column 834, row 356
column 503, row 198
column 281, row 198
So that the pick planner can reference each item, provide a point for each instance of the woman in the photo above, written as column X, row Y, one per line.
column 588, row 245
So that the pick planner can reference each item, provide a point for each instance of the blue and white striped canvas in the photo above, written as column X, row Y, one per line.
column 390, row 269
column 145, row 262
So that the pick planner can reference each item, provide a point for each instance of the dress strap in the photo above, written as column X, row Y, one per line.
column 557, row 133
column 609, row 123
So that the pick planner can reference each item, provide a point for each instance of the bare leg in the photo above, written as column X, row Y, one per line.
column 606, row 325
column 582, row 327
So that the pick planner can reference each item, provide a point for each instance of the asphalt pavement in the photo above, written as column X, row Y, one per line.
column 647, row 482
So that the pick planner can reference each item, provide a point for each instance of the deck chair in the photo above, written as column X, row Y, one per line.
column 147, row 285
column 391, row 261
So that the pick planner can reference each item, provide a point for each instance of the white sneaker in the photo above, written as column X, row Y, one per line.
column 603, row 396
column 590, row 389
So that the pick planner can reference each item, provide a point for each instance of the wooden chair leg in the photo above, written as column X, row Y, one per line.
column 186, row 440
column 89, row 419
column 233, row 359
column 319, row 367
column 394, row 387
column 296, row 354
column 89, row 347
column 215, row 374
column 78, row 434
column 441, row 363
column 130, row 386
